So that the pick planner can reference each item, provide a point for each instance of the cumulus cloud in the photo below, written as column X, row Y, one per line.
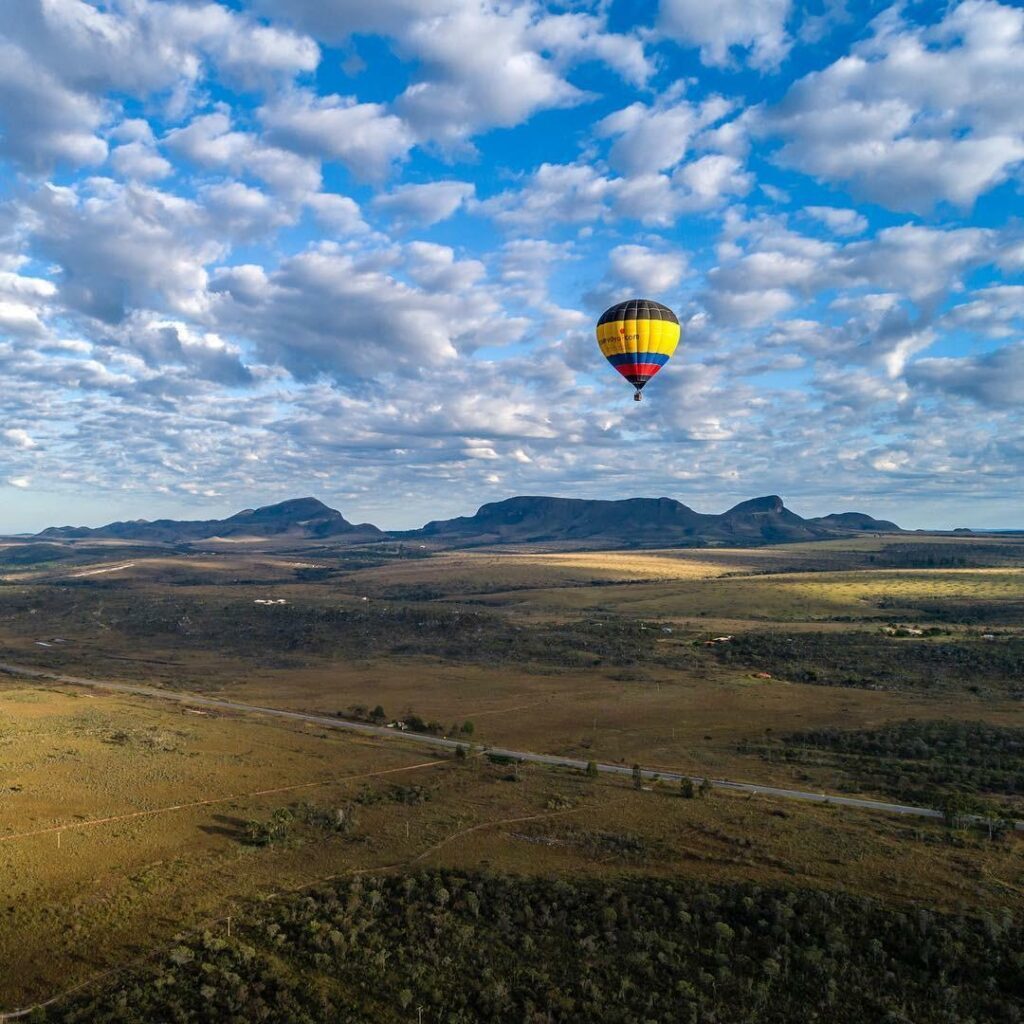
column 993, row 311
column 19, row 438
column 480, row 71
column 140, row 162
column 43, row 122
column 122, row 246
column 655, row 138
column 326, row 311
column 580, row 193
column 992, row 379
column 238, row 211
column 757, row 28
column 768, row 268
column 749, row 307
column 210, row 141
column 163, row 342
column 838, row 220
column 339, row 214
column 915, row 115
column 24, row 302
column 60, row 60
column 366, row 137
column 478, row 65
column 424, row 204
column 646, row 270
column 572, row 193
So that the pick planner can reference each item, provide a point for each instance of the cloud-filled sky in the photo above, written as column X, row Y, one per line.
column 258, row 249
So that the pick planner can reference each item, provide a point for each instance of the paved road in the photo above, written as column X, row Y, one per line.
column 327, row 722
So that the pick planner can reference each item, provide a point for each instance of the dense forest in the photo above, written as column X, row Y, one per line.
column 915, row 759
column 460, row 949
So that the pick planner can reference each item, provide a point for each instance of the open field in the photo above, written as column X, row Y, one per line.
column 114, row 888
column 598, row 655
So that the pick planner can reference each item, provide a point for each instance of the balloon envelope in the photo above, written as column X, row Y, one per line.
column 638, row 338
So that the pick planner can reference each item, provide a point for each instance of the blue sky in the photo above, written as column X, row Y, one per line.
column 268, row 248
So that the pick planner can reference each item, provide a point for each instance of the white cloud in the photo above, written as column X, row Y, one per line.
column 364, row 136
column 425, row 204
column 122, row 246
column 573, row 193
column 479, row 71
column 580, row 193
column 923, row 262
column 577, row 36
column 240, row 212
column 60, row 59
column 477, row 65
column 43, row 122
column 710, row 178
column 140, row 162
column 144, row 46
column 993, row 379
column 160, row 343
column 838, row 220
column 915, row 115
column 655, row 138
column 526, row 263
column 325, row 311
column 339, row 214
column 435, row 268
column 646, row 270
column 21, row 482
column 19, row 438
column 992, row 311
column 757, row 27
column 210, row 141
column 23, row 303
column 749, row 307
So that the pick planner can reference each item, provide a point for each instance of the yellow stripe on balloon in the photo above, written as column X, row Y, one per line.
column 638, row 336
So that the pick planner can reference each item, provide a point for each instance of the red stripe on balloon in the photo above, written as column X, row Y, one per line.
column 638, row 369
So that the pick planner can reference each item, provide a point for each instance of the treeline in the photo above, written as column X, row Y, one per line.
column 946, row 556
column 876, row 662
column 958, row 611
column 446, row 947
column 913, row 759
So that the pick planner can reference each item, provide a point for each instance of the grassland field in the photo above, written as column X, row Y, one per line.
column 591, row 654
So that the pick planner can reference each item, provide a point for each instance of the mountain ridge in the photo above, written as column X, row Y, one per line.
column 301, row 517
column 523, row 519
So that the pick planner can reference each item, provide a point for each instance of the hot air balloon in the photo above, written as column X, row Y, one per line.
column 638, row 338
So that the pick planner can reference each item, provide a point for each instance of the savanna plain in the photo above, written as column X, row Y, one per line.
column 172, row 861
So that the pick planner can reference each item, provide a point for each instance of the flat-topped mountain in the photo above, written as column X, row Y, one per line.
column 573, row 522
column 300, row 518
column 640, row 522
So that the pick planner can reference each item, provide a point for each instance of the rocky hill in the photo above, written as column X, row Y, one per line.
column 301, row 518
column 640, row 522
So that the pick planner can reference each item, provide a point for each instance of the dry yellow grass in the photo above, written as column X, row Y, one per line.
column 783, row 597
